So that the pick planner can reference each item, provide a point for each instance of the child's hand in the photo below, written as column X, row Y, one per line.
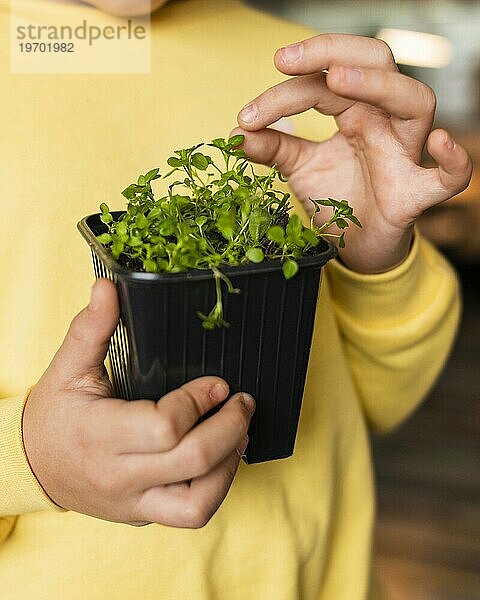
column 132, row 462
column 384, row 119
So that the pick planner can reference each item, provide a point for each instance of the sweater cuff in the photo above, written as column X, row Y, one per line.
column 390, row 298
column 20, row 492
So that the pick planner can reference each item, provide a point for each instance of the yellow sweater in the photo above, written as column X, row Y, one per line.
column 293, row 529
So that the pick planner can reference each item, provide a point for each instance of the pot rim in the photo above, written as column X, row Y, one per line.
column 84, row 226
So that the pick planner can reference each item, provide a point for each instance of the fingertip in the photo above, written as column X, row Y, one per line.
column 278, row 61
column 333, row 76
column 248, row 116
column 456, row 154
column 248, row 402
column 439, row 139
column 103, row 284
column 86, row 342
column 454, row 164
column 450, row 155
column 95, row 297
column 340, row 78
column 103, row 294
column 219, row 391
column 208, row 390
column 286, row 59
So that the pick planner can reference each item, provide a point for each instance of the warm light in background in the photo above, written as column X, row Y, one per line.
column 418, row 49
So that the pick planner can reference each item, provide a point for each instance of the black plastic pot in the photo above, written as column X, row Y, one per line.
column 160, row 342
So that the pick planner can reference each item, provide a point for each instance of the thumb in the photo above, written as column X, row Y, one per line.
column 454, row 169
column 85, row 346
column 273, row 147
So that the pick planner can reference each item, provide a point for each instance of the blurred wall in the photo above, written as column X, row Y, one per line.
column 457, row 85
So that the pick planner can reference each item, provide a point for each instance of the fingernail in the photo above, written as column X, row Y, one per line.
column 350, row 75
column 292, row 54
column 219, row 392
column 249, row 113
column 243, row 446
column 450, row 143
column 248, row 402
column 94, row 298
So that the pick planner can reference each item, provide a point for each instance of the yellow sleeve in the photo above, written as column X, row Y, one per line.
column 20, row 491
column 398, row 328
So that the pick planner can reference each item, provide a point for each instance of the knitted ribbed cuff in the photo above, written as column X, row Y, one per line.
column 389, row 298
column 20, row 492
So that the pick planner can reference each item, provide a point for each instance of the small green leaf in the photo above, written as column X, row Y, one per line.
column 236, row 140
column 181, row 201
column 129, row 192
column 289, row 268
column 155, row 213
column 104, row 238
column 162, row 264
column 121, row 228
column 151, row 175
column 150, row 265
column 116, row 249
column 106, row 218
column 225, row 225
column 183, row 228
column 239, row 153
column 255, row 255
column 341, row 223
column 134, row 241
column 207, row 322
column 276, row 234
column 242, row 193
column 218, row 143
column 141, row 180
column 341, row 241
column 141, row 221
column 259, row 222
column 200, row 161
column 354, row 220
column 167, row 227
column 310, row 237
column 294, row 226
column 104, row 208
column 175, row 162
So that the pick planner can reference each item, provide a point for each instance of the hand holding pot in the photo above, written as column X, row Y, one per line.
column 374, row 161
column 132, row 462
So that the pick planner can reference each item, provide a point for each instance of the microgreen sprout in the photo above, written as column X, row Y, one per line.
column 214, row 216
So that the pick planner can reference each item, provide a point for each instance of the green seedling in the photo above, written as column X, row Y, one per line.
column 213, row 216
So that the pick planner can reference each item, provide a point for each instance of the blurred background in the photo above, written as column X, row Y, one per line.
column 427, row 542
